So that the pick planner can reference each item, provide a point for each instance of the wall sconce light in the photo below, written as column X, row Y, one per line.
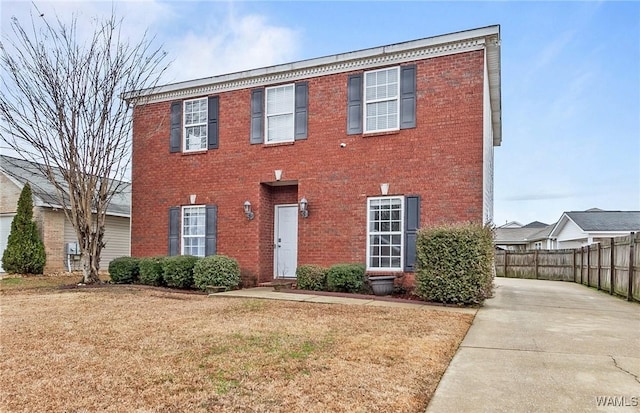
column 384, row 189
column 192, row 199
column 304, row 210
column 247, row 210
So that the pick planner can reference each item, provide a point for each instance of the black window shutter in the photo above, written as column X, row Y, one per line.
column 175, row 137
column 174, row 230
column 257, row 116
column 408, row 97
column 354, row 104
column 212, row 132
column 411, row 226
column 211, row 223
column 302, row 110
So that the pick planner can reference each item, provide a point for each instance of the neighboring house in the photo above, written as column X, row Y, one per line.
column 323, row 161
column 55, row 230
column 513, row 236
column 575, row 229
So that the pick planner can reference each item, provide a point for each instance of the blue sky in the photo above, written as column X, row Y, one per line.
column 570, row 76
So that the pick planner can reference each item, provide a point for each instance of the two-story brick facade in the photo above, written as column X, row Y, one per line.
column 373, row 143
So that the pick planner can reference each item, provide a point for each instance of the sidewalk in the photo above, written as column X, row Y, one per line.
column 310, row 297
column 546, row 346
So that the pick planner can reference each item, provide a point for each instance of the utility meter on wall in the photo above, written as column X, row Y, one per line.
column 72, row 248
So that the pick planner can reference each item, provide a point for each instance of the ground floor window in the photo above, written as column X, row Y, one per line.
column 385, row 233
column 193, row 230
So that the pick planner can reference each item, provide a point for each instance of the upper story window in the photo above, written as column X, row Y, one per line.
column 381, row 96
column 381, row 100
column 195, row 125
column 279, row 114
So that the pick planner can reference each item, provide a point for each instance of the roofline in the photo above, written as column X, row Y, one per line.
column 39, row 202
column 487, row 38
column 566, row 215
column 110, row 214
column 343, row 59
column 553, row 234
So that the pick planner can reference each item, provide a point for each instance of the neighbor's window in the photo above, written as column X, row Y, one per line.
column 193, row 230
column 384, row 233
column 280, row 107
column 381, row 91
column 195, row 125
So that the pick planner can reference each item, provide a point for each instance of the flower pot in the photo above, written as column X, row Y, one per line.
column 382, row 285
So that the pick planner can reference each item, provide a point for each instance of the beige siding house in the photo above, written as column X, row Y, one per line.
column 56, row 230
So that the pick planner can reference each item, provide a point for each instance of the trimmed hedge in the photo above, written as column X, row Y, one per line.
column 347, row 278
column 455, row 264
column 311, row 277
column 151, row 272
column 178, row 270
column 124, row 270
column 216, row 270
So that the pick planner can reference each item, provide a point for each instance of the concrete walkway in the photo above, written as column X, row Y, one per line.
column 546, row 346
column 269, row 293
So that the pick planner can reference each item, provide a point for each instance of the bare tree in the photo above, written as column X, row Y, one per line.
column 61, row 107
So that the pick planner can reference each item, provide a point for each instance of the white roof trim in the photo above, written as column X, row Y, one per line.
column 561, row 224
column 447, row 44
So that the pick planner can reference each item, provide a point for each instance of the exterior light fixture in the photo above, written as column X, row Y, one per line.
column 304, row 210
column 247, row 210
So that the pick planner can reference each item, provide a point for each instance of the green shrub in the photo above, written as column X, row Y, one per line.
column 348, row 278
column 311, row 277
column 455, row 264
column 124, row 270
column 151, row 271
column 217, row 270
column 177, row 271
column 24, row 253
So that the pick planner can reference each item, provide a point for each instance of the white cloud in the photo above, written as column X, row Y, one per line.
column 201, row 39
column 234, row 44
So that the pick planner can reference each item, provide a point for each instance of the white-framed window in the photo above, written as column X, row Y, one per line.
column 381, row 100
column 279, row 114
column 385, row 237
column 195, row 125
column 193, row 230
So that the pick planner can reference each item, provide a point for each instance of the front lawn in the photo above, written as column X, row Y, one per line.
column 131, row 348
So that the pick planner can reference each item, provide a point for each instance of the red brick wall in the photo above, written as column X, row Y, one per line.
column 440, row 160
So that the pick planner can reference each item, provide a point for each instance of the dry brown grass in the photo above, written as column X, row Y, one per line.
column 128, row 349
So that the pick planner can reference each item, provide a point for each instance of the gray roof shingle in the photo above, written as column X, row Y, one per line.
column 45, row 193
column 594, row 221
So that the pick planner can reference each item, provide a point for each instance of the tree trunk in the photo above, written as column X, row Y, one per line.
column 91, row 251
column 89, row 269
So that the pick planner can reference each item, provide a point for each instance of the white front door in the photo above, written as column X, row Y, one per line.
column 285, row 256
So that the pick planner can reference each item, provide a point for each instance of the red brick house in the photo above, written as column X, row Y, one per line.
column 329, row 160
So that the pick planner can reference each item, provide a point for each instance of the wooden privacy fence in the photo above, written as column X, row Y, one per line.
column 612, row 265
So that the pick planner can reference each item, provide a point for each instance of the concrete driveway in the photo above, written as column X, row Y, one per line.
column 546, row 346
